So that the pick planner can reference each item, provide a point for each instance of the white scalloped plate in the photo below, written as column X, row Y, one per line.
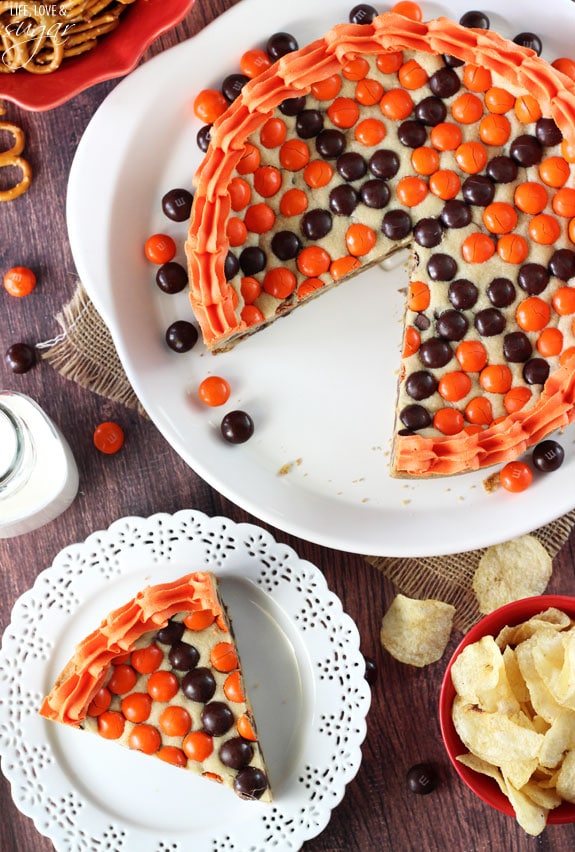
column 321, row 383
column 303, row 668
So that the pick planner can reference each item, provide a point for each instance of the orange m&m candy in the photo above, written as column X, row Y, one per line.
column 499, row 100
column 343, row 112
column 477, row 248
column 251, row 315
column 512, row 248
column 516, row 476
column 411, row 341
column 496, row 378
column 445, row 184
column 388, row 63
column 145, row 738
column 343, row 266
column 173, row 755
column 249, row 161
column 328, row 89
column 317, row 173
column 471, row 157
column 564, row 300
column 476, row 78
column 254, row 62
column 527, row 109
column 355, row 69
column 411, row 191
column 564, row 202
column 360, row 239
column 279, row 282
column 419, row 296
column 368, row 92
column 19, row 281
column 532, row 314
column 198, row 746
column 516, row 398
column 472, row 355
column 111, row 725
column 108, row 437
column 530, row 197
column 370, row 132
column 136, row 706
column 467, row 108
column 408, row 9
column 544, row 229
column 550, row 342
column 454, row 386
column 267, row 180
column 446, row 136
column 565, row 65
column 259, row 218
column 214, row 391
column 494, row 129
column 425, row 160
column 312, row 261
column 294, row 155
column 293, row 202
column 209, row 105
column 412, row 75
column 479, row 411
column 554, row 171
column 160, row 248
column 499, row 217
column 449, row 421
column 396, row 104
column 273, row 133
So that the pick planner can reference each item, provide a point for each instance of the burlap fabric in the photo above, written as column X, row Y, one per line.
column 84, row 352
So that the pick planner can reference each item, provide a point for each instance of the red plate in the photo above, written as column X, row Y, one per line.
column 115, row 55
column 514, row 613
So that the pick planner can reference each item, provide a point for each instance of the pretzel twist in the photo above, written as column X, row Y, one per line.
column 12, row 157
column 38, row 42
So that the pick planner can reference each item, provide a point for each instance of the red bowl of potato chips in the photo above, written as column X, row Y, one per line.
column 507, row 710
column 72, row 45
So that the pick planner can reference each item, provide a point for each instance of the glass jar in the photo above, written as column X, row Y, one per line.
column 38, row 474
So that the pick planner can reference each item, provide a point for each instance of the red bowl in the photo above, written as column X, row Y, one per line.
column 115, row 55
column 483, row 786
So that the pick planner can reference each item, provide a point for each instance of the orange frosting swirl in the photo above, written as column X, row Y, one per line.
column 149, row 610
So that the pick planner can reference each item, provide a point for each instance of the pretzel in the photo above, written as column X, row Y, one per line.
column 12, row 157
column 38, row 42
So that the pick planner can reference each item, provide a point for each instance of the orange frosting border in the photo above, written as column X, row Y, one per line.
column 149, row 610
column 207, row 244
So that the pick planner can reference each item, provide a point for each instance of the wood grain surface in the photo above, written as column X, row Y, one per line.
column 378, row 812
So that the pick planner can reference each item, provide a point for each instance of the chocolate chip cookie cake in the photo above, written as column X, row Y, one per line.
column 448, row 140
column 162, row 675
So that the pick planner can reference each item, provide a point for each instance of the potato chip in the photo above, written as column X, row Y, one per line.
column 561, row 674
column 416, row 632
column 566, row 778
column 506, row 572
column 480, row 677
column 497, row 738
column 515, row 678
column 531, row 815
column 558, row 739
column 541, row 699
column 514, row 634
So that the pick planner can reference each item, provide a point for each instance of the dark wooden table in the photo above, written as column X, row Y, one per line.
column 378, row 812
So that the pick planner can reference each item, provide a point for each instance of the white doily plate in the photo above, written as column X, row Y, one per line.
column 303, row 668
